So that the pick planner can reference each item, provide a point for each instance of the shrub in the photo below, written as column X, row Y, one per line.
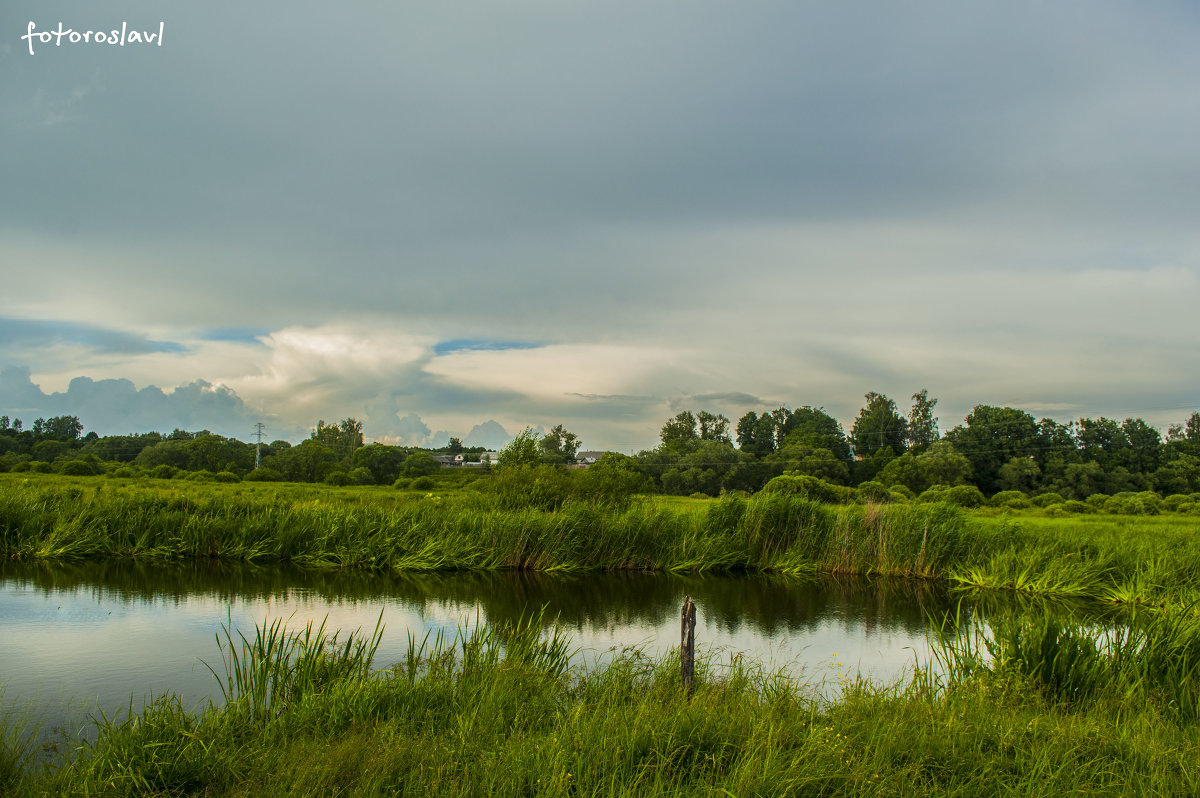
column 422, row 483
column 77, row 468
column 226, row 476
column 899, row 497
column 934, row 494
column 614, row 479
column 1018, row 504
column 361, row 476
column 966, row 496
column 1097, row 500
column 810, row 488
column 164, row 471
column 202, row 475
column 872, row 491
column 420, row 464
column 1075, row 506
column 1172, row 502
column 1047, row 499
column 403, row 482
column 126, row 472
column 337, row 478
column 40, row 467
column 263, row 474
column 1003, row 497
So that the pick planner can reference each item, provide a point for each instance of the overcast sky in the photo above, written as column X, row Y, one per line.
column 433, row 215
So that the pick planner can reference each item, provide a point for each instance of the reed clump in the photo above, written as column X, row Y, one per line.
column 501, row 712
column 1151, row 560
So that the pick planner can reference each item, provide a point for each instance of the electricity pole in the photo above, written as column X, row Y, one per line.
column 258, row 432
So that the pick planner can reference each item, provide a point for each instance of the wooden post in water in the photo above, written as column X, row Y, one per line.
column 687, row 647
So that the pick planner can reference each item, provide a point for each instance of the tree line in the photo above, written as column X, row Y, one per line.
column 994, row 449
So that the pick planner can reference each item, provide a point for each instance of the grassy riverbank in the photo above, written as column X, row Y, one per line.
column 1129, row 559
column 498, row 712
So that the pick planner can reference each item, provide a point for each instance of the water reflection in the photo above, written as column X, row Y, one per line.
column 87, row 636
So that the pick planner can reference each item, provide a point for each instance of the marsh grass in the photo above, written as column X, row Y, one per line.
column 1152, row 658
column 498, row 712
column 17, row 737
column 1151, row 560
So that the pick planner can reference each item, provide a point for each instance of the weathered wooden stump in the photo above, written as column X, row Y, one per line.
column 687, row 647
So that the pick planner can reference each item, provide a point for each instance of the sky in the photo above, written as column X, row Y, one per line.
column 447, row 218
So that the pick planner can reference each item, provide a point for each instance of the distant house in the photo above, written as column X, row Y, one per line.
column 487, row 459
column 587, row 458
column 450, row 460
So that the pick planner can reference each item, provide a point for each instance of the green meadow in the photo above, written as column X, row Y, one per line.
column 1130, row 559
column 1041, row 703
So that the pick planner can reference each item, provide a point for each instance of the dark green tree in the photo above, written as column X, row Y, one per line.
column 522, row 451
column 381, row 461
column 679, row 434
column 922, row 426
column 879, row 426
column 560, row 444
column 990, row 437
column 342, row 439
column 713, row 427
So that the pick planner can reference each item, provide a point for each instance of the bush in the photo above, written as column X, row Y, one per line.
column 403, row 482
column 164, row 471
column 77, row 468
column 337, row 478
column 1075, row 506
column 361, row 476
column 543, row 486
column 1132, row 504
column 202, row 475
column 872, row 491
column 1018, row 504
column 1097, row 500
column 1047, row 499
column 263, row 474
column 810, row 488
column 420, row 464
column 422, row 483
column 966, row 496
column 126, row 472
column 226, row 476
column 612, row 479
column 1005, row 496
column 1171, row 503
column 40, row 467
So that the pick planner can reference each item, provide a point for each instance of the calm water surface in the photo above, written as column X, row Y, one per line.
column 91, row 637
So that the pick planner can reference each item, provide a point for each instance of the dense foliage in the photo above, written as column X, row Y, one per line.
column 886, row 455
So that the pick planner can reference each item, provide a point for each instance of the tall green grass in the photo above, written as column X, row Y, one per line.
column 1132, row 560
column 772, row 533
column 498, row 712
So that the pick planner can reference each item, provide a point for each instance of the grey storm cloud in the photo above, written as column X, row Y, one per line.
column 800, row 200
column 117, row 407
